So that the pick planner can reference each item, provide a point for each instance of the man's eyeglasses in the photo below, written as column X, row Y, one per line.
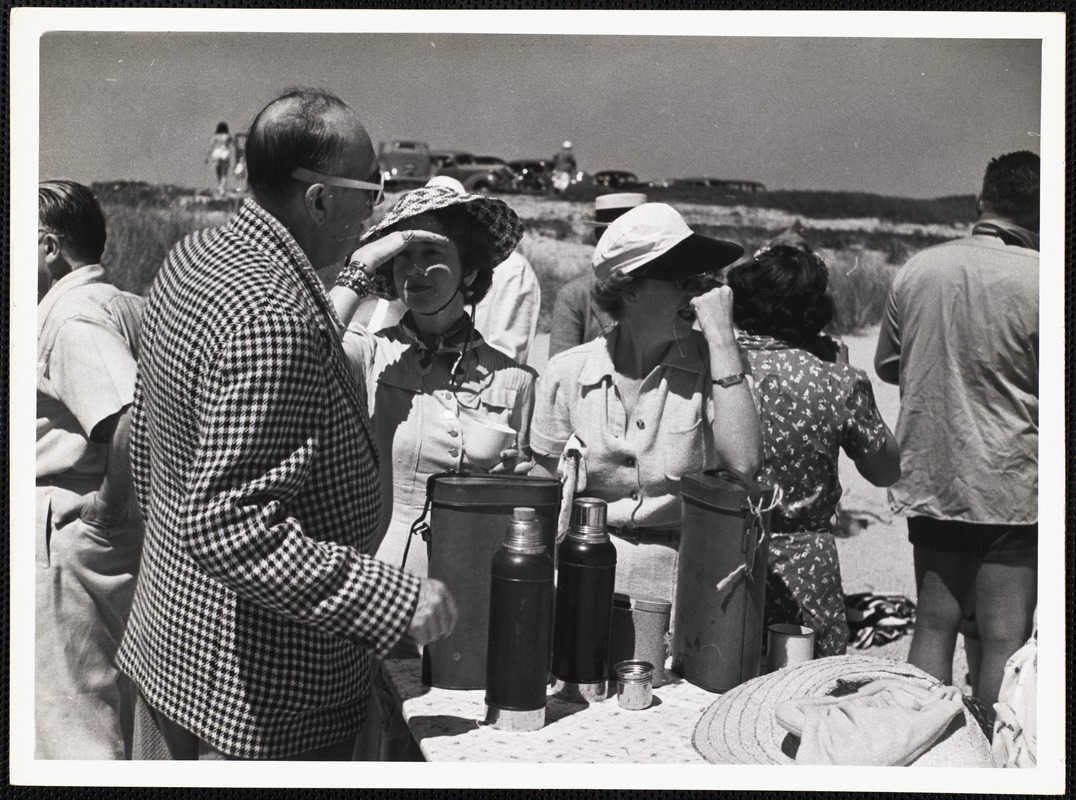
column 308, row 175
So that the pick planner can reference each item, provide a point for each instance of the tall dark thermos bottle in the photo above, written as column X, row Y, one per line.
column 586, row 573
column 520, row 627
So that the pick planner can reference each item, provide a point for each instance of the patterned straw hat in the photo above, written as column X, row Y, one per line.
column 499, row 221
column 740, row 727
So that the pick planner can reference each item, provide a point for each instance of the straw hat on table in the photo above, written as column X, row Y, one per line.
column 740, row 727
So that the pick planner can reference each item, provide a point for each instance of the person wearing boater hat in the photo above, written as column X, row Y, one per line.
column 577, row 319
column 432, row 381
column 652, row 399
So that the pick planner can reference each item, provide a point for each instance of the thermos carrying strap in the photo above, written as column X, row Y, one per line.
column 420, row 527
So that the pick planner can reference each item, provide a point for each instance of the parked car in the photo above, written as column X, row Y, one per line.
column 531, row 175
column 618, row 179
column 721, row 183
column 404, row 162
column 491, row 175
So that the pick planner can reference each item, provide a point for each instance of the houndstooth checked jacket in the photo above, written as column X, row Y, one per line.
column 256, row 607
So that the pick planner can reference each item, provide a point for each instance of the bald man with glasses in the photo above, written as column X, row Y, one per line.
column 259, row 606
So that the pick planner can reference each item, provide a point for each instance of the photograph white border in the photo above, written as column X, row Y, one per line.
column 28, row 25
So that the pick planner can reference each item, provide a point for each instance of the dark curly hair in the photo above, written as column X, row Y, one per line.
column 781, row 292
column 473, row 243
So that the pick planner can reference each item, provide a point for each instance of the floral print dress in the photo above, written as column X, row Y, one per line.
column 810, row 410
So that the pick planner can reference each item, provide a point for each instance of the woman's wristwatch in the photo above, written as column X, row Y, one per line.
column 355, row 276
column 729, row 380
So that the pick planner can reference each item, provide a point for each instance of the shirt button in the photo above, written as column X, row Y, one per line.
column 640, row 424
column 630, row 461
column 453, row 432
column 452, row 451
column 634, row 495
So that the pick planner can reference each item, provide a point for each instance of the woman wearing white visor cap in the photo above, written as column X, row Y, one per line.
column 653, row 399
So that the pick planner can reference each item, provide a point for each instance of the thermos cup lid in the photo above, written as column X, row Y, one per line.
column 524, row 535
column 588, row 517
column 640, row 603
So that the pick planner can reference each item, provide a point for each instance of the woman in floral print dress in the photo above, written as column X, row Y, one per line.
column 811, row 404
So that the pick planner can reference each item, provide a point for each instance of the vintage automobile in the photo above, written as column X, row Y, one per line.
column 720, row 183
column 531, row 175
column 489, row 175
column 618, row 179
column 404, row 162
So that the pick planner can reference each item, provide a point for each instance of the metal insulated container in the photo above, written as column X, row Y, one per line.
column 520, row 633
column 586, row 564
column 640, row 632
column 634, row 684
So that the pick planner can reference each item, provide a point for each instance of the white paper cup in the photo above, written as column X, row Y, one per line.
column 484, row 440
column 790, row 644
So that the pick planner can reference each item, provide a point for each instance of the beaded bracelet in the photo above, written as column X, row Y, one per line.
column 355, row 277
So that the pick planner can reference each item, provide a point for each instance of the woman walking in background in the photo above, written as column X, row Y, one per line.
column 220, row 153
column 810, row 407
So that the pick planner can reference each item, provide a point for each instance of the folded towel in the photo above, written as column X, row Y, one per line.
column 886, row 723
column 875, row 619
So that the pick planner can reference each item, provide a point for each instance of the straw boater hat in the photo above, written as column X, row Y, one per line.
column 740, row 727
column 653, row 241
column 499, row 221
column 608, row 207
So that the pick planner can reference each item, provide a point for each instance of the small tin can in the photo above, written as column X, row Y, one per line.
column 634, row 684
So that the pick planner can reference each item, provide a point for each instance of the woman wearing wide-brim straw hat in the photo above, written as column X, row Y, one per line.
column 652, row 399
column 432, row 382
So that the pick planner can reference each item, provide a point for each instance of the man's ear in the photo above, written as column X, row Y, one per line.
column 316, row 201
column 468, row 279
column 53, row 251
column 979, row 205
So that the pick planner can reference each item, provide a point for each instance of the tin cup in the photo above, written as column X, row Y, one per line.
column 789, row 645
column 634, row 684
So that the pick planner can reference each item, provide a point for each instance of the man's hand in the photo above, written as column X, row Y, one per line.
column 435, row 615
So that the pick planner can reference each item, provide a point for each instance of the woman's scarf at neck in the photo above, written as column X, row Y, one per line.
column 1008, row 232
column 822, row 346
column 750, row 341
column 460, row 339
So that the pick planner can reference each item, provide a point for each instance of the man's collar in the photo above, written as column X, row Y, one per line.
column 255, row 221
column 91, row 273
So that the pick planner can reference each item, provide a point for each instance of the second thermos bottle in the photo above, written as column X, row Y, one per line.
column 586, row 574
column 520, row 627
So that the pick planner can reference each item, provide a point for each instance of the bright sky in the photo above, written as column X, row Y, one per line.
column 912, row 117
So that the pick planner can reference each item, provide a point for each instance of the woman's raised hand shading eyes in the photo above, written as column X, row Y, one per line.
column 380, row 251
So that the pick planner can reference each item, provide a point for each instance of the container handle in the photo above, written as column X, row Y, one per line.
column 420, row 527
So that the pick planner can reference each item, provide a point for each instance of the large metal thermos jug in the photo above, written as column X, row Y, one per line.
column 721, row 579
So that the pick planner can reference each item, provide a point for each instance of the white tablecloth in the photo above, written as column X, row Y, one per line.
column 449, row 725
